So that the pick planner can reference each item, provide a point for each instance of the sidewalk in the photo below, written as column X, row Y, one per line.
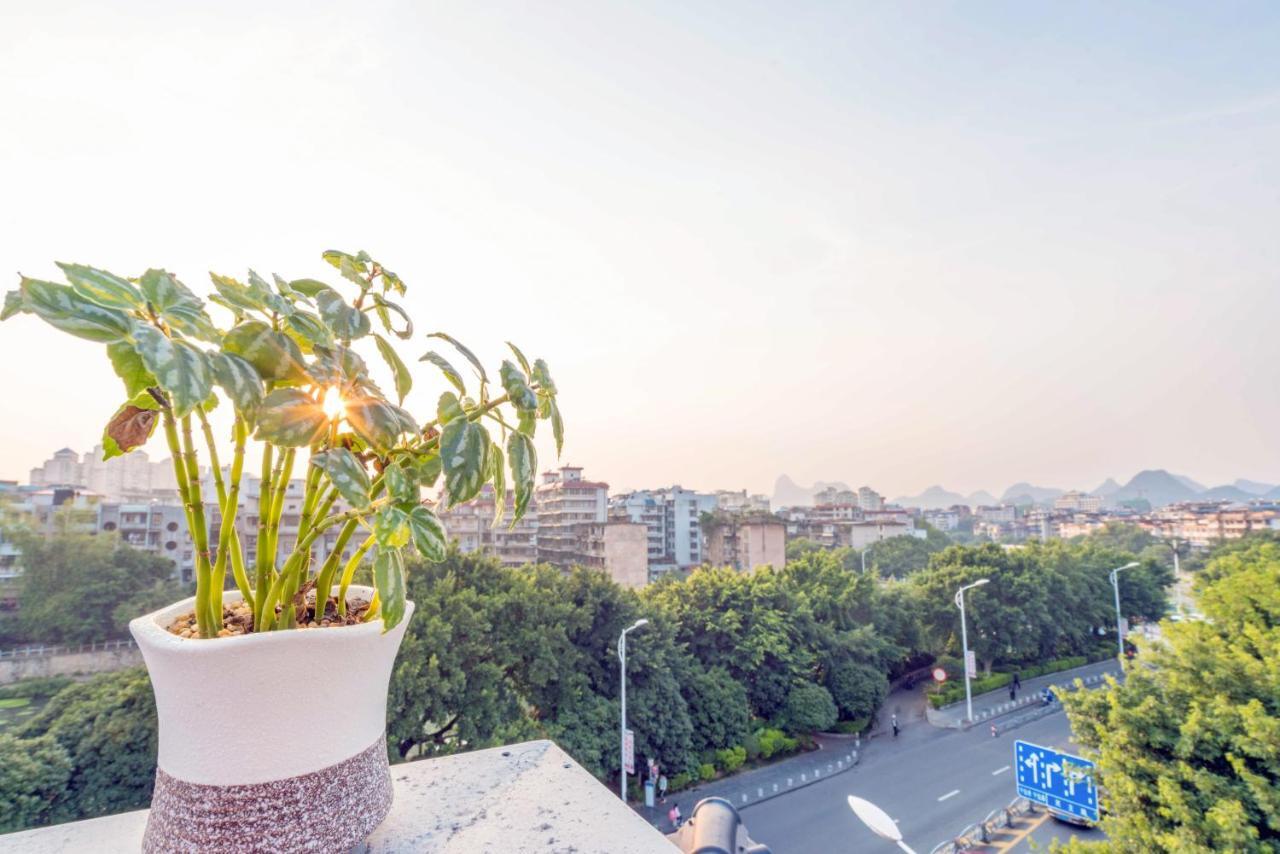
column 996, row 703
column 836, row 754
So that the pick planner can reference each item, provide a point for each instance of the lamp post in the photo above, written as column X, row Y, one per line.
column 964, row 642
column 866, row 549
column 622, row 734
column 1115, row 585
column 878, row 821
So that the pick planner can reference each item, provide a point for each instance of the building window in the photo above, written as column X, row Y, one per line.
column 170, row 546
column 108, row 526
column 172, row 526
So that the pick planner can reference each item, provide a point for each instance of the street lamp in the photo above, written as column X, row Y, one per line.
column 1115, row 584
column 622, row 669
column 878, row 821
column 964, row 641
column 866, row 549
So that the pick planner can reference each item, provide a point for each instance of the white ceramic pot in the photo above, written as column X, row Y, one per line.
column 269, row 742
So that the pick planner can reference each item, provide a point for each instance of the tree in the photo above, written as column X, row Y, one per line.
column 107, row 729
column 33, row 775
column 858, row 689
column 718, row 708
column 898, row 557
column 73, row 585
column 1188, row 747
column 809, row 708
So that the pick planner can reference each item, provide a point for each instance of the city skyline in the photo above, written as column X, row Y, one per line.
column 967, row 248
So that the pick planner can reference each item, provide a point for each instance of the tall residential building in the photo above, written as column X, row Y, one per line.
column 131, row 477
column 566, row 525
column 471, row 524
column 1080, row 502
column 869, row 499
column 672, row 519
column 835, row 495
column 160, row 526
column 740, row 502
column 746, row 542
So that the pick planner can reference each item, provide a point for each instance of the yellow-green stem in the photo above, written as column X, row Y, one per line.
column 349, row 572
column 180, row 475
column 200, row 533
column 262, row 573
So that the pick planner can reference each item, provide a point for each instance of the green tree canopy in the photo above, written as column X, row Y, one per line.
column 1188, row 747
column 809, row 708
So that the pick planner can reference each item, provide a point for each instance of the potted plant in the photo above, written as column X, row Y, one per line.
column 271, row 733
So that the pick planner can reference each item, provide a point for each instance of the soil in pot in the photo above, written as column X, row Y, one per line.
column 237, row 618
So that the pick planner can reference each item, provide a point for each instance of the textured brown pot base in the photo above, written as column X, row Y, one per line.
column 327, row 810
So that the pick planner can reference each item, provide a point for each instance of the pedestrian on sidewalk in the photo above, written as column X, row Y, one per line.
column 1013, row 692
column 895, row 725
column 662, row 789
column 1017, row 682
column 674, row 815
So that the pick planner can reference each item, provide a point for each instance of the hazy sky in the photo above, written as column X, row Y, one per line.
column 887, row 243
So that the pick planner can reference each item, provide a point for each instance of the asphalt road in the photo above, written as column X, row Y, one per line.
column 933, row 782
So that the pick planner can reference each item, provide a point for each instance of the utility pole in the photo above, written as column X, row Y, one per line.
column 1115, row 584
column 622, row 733
column 964, row 641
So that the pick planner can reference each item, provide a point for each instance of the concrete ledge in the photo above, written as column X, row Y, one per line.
column 528, row 797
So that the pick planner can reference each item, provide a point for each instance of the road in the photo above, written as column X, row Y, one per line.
column 933, row 782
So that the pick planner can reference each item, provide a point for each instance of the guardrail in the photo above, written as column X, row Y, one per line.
column 44, row 651
column 977, row 835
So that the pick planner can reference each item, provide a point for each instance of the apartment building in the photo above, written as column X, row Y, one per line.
column 869, row 499
column 1078, row 502
column 471, row 524
column 746, row 542
column 672, row 518
column 130, row 478
column 740, row 502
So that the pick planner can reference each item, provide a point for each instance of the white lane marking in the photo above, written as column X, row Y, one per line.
column 950, row 794
column 999, row 770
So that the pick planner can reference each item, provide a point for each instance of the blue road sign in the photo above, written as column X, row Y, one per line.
column 1060, row 781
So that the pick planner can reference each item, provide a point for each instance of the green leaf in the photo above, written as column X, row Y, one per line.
column 346, row 473
column 384, row 307
column 527, row 422
column 263, row 293
column 162, row 289
column 291, row 419
column 391, row 527
column 428, row 534
column 498, row 474
column 542, row 377
column 522, row 397
column 310, row 287
column 235, row 296
column 13, row 304
column 131, row 426
column 524, row 363
column 524, row 466
column 179, row 369
column 448, row 408
column 375, row 421
column 337, row 258
column 273, row 354
column 557, row 426
column 400, row 484
column 392, row 282
column 339, row 366
column 470, row 357
column 426, row 469
column 450, row 373
column 241, row 382
column 63, row 308
column 346, row 322
column 399, row 371
column 129, row 367
column 101, row 287
column 463, row 452
column 388, row 578
column 309, row 328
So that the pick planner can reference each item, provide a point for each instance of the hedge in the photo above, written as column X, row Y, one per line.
column 953, row 692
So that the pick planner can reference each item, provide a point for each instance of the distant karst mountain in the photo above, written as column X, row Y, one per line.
column 1253, row 487
column 1157, row 486
column 1108, row 488
column 1226, row 492
column 933, row 498
column 788, row 493
column 1025, row 493
column 981, row 498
